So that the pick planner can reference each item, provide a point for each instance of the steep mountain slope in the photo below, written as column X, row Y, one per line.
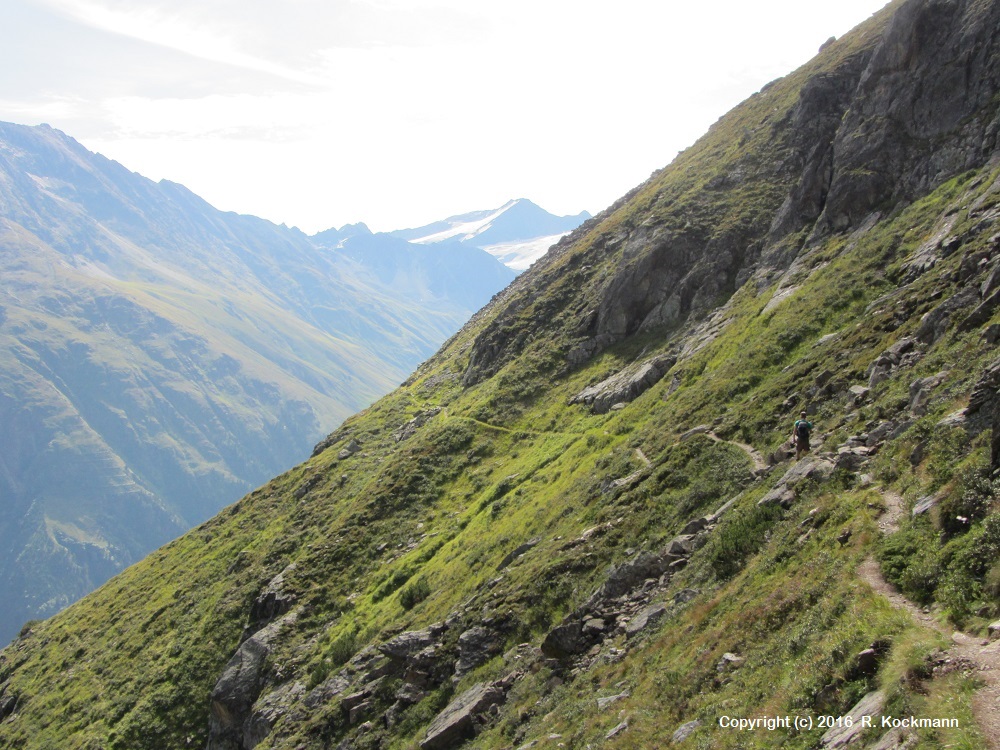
column 578, row 523
column 518, row 233
column 159, row 358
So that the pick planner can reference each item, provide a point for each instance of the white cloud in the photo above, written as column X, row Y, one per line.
column 397, row 112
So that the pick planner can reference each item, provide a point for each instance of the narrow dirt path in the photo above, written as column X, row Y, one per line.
column 981, row 655
column 758, row 460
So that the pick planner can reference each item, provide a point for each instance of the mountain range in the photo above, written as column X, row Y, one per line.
column 159, row 358
column 581, row 523
column 518, row 233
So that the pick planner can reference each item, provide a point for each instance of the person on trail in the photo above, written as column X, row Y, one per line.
column 800, row 435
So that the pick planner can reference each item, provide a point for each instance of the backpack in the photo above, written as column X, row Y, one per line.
column 802, row 428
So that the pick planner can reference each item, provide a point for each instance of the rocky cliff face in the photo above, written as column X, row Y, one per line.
column 580, row 521
column 889, row 119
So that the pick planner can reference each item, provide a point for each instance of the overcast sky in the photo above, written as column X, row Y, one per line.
column 317, row 113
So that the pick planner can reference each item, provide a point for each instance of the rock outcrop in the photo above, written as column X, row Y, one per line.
column 625, row 386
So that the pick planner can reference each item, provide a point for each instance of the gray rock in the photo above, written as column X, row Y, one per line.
column 991, row 334
column 631, row 574
column 623, row 483
column 685, row 595
column 842, row 736
column 699, row 430
column 865, row 664
column 924, row 504
column 694, row 526
column 647, row 617
column 517, row 552
column 984, row 392
column 625, row 386
column 240, row 685
column 407, row 429
column 896, row 739
column 810, row 466
column 603, row 703
column 352, row 447
column 566, row 639
column 851, row 459
column 879, row 433
column 935, row 323
column 407, row 644
column 994, row 630
column 327, row 690
column 8, row 704
column 272, row 602
column 780, row 494
column 615, row 731
column 268, row 710
column 858, row 393
column 879, row 373
column 955, row 419
column 475, row 647
column 460, row 719
column 729, row 662
column 685, row 730
column 682, row 545
column 920, row 392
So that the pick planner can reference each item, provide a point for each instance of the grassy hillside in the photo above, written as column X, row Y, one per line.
column 483, row 556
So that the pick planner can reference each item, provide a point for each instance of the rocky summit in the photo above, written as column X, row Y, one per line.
column 581, row 523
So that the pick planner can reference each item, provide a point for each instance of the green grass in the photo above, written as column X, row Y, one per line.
column 405, row 534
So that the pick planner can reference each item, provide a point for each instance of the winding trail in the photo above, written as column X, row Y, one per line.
column 982, row 656
column 759, row 463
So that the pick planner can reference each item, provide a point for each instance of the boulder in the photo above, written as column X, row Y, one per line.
column 616, row 730
column 920, row 392
column 685, row 730
column 701, row 429
column 994, row 630
column 851, row 459
column 349, row 450
column 7, row 705
column 857, row 394
column 984, row 392
column 625, row 386
column 461, row 718
column 475, row 647
column 407, row 644
column 517, row 552
column 603, row 703
column 631, row 574
column 729, row 662
column 694, row 526
column 566, row 639
column 407, row 429
column 865, row 664
column 843, row 735
column 681, row 545
column 646, row 617
column 685, row 595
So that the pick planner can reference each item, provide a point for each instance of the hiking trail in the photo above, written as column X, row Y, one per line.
column 759, row 464
column 982, row 656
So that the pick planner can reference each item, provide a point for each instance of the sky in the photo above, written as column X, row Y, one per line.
column 319, row 113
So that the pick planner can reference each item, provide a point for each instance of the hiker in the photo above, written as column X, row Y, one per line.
column 800, row 435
